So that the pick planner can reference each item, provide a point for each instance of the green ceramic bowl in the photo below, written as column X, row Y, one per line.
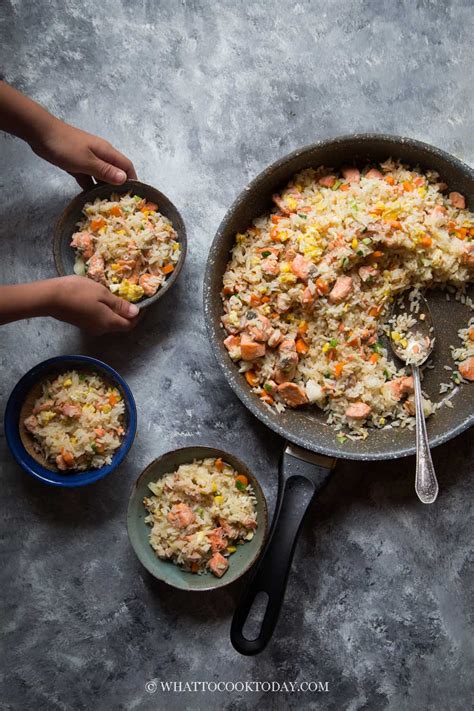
column 138, row 530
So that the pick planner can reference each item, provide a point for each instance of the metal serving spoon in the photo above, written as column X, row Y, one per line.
column 413, row 345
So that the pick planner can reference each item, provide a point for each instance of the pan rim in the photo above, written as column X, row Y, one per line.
column 248, row 398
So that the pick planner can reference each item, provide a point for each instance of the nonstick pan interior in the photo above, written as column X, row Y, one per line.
column 306, row 427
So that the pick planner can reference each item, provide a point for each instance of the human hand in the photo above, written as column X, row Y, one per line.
column 83, row 155
column 89, row 305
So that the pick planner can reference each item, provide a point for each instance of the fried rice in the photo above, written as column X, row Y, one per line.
column 308, row 287
column 199, row 514
column 127, row 245
column 78, row 421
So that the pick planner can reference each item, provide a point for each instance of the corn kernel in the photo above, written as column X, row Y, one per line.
column 355, row 243
column 325, row 348
column 395, row 336
column 285, row 268
column 214, row 487
column 106, row 409
column 404, row 342
column 231, row 549
column 67, row 383
column 219, row 499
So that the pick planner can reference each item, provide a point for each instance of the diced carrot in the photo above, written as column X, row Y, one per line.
column 219, row 464
column 353, row 343
column 116, row 211
column 471, row 231
column 275, row 234
column 345, row 187
column 255, row 300
column 338, row 368
column 99, row 431
column 265, row 299
column 374, row 358
column 390, row 180
column 451, row 225
column 471, row 334
column 168, row 268
column 97, row 224
column 419, row 181
column 462, row 233
column 251, row 378
column 374, row 311
column 194, row 567
column 303, row 328
column 407, row 186
column 266, row 398
column 301, row 346
column 341, row 327
column 275, row 314
column 426, row 241
column 395, row 225
column 113, row 399
column 377, row 254
column 276, row 219
column 151, row 206
column 227, row 290
column 330, row 355
column 322, row 286
column 242, row 479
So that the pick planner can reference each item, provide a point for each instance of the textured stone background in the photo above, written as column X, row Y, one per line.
column 202, row 96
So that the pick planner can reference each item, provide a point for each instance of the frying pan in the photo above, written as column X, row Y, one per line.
column 306, row 467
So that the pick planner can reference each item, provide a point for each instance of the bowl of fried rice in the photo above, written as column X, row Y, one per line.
column 70, row 421
column 130, row 238
column 197, row 518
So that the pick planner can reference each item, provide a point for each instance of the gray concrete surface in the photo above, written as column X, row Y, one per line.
column 202, row 96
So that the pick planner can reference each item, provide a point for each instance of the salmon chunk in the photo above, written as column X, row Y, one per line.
column 287, row 361
column 181, row 516
column 150, row 284
column 300, row 266
column 82, row 241
column 70, row 410
column 468, row 256
column 217, row 539
column 466, row 368
column 358, row 411
column 270, row 267
column 292, row 394
column 367, row 273
column 281, row 205
column 218, row 564
column 250, row 349
column 401, row 386
column 307, row 298
column 31, row 423
column 352, row 175
column 457, row 200
column 232, row 343
column 327, row 181
column 374, row 173
column 340, row 290
column 260, row 328
column 95, row 268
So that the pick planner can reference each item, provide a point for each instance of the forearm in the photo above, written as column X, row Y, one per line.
column 23, row 117
column 18, row 301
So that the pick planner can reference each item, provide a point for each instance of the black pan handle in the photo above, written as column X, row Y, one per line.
column 302, row 475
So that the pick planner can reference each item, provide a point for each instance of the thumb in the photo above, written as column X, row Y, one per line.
column 122, row 308
column 108, row 173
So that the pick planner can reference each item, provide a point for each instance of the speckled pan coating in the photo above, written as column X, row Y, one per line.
column 306, row 427
column 67, row 224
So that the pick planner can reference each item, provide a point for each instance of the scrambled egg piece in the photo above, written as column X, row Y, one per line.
column 130, row 292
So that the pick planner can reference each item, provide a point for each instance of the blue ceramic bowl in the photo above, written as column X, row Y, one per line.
column 50, row 368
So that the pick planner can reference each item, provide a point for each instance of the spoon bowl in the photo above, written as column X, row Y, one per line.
column 412, row 339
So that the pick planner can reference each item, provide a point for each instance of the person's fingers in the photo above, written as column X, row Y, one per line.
column 116, row 323
column 120, row 306
column 85, row 181
column 109, row 154
column 107, row 173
